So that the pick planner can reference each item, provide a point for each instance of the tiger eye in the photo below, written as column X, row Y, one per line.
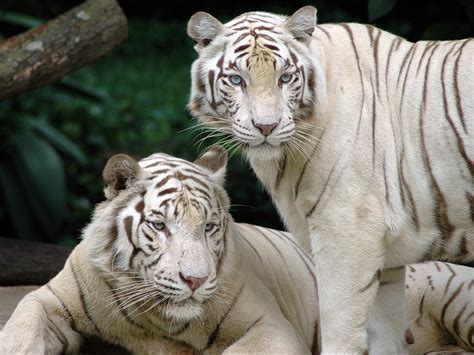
column 159, row 226
column 235, row 79
column 286, row 77
column 209, row 227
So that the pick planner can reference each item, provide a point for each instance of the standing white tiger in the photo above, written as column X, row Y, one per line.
column 363, row 139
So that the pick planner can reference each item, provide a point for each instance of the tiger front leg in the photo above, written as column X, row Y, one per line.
column 388, row 316
column 269, row 335
column 38, row 326
column 349, row 257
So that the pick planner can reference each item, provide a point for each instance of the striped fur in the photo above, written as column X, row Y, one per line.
column 126, row 282
column 367, row 150
column 264, row 301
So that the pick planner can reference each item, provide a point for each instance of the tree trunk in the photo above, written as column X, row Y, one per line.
column 48, row 52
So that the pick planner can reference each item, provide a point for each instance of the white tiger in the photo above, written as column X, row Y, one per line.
column 364, row 141
column 184, row 285
column 162, row 268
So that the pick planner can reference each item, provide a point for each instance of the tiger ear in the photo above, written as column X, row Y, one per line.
column 203, row 28
column 119, row 172
column 301, row 23
column 215, row 161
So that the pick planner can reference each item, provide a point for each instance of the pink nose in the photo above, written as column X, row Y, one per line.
column 265, row 129
column 193, row 282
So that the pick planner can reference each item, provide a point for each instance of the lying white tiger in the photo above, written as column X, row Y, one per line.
column 164, row 269
column 365, row 142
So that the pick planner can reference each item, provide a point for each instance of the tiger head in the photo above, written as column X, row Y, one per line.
column 255, row 78
column 161, row 234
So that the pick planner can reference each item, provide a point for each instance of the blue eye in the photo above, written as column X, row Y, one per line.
column 209, row 227
column 286, row 77
column 158, row 225
column 236, row 79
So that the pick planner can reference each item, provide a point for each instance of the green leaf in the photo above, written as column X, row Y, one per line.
column 19, row 19
column 15, row 201
column 42, row 173
column 59, row 140
column 379, row 8
column 76, row 88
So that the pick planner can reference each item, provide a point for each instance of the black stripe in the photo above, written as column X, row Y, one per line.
column 456, row 324
column 282, row 257
column 163, row 181
column 253, row 248
column 456, row 87
column 425, row 51
column 453, row 274
column 441, row 209
column 82, row 298
column 323, row 31
column 447, row 304
column 374, row 115
column 59, row 334
column 421, row 306
column 306, row 259
column 372, row 282
column 241, row 37
column 241, row 48
column 400, row 70
column 248, row 328
column 387, row 192
column 315, row 348
column 281, row 172
column 389, row 56
column 167, row 191
column 351, row 36
column 215, row 333
column 313, row 154
column 313, row 208
column 462, row 149
column 414, row 214
column 211, row 76
column 65, row 309
column 128, row 225
column 402, row 95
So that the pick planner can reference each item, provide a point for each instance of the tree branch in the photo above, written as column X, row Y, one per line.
column 48, row 52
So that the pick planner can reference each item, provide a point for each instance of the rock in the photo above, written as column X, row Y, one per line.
column 29, row 263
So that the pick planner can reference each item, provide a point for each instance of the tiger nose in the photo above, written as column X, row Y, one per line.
column 193, row 282
column 265, row 129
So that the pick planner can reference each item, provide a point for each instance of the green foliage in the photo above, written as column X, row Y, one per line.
column 379, row 8
column 19, row 19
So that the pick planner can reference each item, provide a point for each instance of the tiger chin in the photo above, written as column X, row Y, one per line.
column 364, row 141
column 162, row 268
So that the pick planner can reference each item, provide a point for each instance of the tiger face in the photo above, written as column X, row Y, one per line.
column 254, row 78
column 170, row 225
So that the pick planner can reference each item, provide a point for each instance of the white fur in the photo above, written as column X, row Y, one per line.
column 372, row 119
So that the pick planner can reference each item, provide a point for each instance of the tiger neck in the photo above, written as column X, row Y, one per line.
column 281, row 179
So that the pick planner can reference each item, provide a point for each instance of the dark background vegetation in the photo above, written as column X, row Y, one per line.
column 54, row 141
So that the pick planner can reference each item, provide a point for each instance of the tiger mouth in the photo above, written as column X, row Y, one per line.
column 265, row 145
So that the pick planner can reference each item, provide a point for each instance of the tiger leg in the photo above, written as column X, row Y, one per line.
column 267, row 335
column 347, row 269
column 39, row 326
column 440, row 299
column 388, row 322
